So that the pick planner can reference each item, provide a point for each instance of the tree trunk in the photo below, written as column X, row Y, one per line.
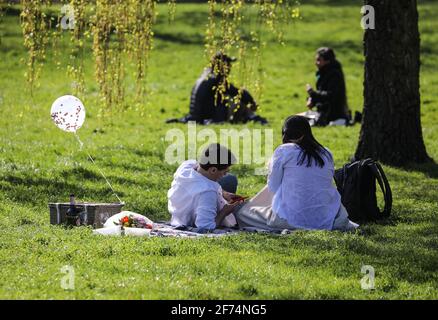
column 391, row 126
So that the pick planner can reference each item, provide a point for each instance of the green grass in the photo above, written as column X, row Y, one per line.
column 40, row 164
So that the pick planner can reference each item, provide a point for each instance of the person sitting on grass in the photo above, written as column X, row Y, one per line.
column 214, row 99
column 300, row 193
column 330, row 97
column 196, row 198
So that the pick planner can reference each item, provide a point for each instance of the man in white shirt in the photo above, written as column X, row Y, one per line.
column 196, row 198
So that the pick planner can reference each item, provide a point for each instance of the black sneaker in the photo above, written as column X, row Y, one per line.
column 357, row 117
column 256, row 118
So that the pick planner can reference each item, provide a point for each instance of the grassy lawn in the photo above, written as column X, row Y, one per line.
column 40, row 164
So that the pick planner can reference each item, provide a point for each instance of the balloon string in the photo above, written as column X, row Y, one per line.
column 81, row 144
column 92, row 160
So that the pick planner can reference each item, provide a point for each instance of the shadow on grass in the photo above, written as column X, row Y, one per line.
column 37, row 191
column 180, row 38
column 192, row 18
column 429, row 169
column 406, row 255
column 344, row 47
column 34, row 190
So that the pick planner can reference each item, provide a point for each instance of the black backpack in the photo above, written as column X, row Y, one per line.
column 356, row 182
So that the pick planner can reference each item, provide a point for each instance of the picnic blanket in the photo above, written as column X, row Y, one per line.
column 164, row 229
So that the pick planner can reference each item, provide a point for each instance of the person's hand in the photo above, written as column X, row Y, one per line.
column 309, row 88
column 228, row 195
column 231, row 197
column 228, row 208
column 238, row 199
column 310, row 103
column 225, row 211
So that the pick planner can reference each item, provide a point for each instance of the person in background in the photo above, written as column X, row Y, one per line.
column 196, row 198
column 215, row 100
column 300, row 193
column 330, row 97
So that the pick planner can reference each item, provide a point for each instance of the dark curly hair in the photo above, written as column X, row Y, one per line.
column 216, row 156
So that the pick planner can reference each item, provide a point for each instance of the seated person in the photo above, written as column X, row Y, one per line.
column 329, row 98
column 214, row 99
column 196, row 199
column 300, row 193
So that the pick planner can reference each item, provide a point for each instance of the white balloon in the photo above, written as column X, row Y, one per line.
column 68, row 113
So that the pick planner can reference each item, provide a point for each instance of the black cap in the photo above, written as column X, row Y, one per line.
column 224, row 57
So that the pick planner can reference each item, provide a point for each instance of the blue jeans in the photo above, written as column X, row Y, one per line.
column 228, row 183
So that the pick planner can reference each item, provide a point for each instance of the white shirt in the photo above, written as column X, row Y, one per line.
column 194, row 200
column 305, row 196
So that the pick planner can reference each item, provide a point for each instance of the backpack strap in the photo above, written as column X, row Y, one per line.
column 384, row 186
column 359, row 165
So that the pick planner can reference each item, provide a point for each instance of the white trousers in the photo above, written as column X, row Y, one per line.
column 258, row 213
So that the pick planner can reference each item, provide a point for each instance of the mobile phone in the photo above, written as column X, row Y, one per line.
column 236, row 199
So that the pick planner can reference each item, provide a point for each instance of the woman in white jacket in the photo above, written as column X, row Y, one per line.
column 300, row 193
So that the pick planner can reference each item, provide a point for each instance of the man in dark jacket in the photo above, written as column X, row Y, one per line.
column 214, row 99
column 329, row 98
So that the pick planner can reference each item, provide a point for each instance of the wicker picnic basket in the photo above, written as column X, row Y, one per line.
column 96, row 213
